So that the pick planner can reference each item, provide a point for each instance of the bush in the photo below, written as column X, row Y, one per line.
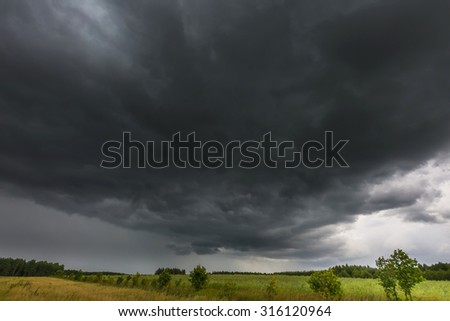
column 128, row 279
column 135, row 280
column 145, row 283
column 326, row 283
column 198, row 277
column 99, row 278
column 271, row 289
column 164, row 279
column 78, row 276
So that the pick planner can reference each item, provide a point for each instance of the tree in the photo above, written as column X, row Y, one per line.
column 387, row 276
column 326, row 283
column 164, row 279
column 399, row 269
column 198, row 277
column 135, row 280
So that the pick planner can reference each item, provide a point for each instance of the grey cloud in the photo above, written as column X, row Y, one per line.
column 74, row 76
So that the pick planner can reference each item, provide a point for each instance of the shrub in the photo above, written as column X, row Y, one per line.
column 164, row 279
column 326, row 283
column 99, row 277
column 135, row 280
column 198, row 277
column 271, row 289
column 78, row 276
column 145, row 283
column 128, row 279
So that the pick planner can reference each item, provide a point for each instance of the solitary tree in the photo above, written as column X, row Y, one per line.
column 398, row 270
column 326, row 283
column 198, row 277
column 164, row 279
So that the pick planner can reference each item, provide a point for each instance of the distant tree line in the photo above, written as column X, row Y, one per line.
column 438, row 271
column 21, row 267
column 75, row 272
column 295, row 273
column 239, row 273
column 342, row 271
column 355, row 271
column 172, row 271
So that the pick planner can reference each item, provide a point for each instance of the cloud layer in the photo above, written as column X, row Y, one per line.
column 77, row 73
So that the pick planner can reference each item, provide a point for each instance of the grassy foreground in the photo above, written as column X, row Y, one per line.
column 220, row 287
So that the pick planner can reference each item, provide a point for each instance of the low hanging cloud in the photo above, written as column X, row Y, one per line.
column 78, row 73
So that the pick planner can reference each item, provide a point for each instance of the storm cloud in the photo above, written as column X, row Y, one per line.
column 75, row 74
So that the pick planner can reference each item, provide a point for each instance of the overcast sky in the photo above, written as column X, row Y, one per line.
column 74, row 74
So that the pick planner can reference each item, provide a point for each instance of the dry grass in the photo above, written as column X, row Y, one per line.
column 54, row 289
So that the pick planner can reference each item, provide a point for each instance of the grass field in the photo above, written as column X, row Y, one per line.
column 220, row 287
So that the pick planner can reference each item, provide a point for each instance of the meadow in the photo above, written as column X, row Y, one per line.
column 220, row 287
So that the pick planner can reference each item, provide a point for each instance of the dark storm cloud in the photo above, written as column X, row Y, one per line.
column 76, row 74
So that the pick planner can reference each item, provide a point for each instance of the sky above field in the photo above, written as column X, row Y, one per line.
column 75, row 74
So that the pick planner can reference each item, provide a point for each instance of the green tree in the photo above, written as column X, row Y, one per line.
column 399, row 269
column 326, row 283
column 135, row 280
column 164, row 279
column 99, row 277
column 198, row 277
column 387, row 276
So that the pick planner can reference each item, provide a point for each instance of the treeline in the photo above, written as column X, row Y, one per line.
column 295, row 273
column 438, row 271
column 343, row 271
column 355, row 271
column 21, row 267
column 75, row 272
column 239, row 273
column 172, row 271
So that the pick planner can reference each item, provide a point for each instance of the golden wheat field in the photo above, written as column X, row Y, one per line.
column 220, row 287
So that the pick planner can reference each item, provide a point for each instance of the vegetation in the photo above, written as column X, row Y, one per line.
column 172, row 271
column 220, row 287
column 397, row 273
column 271, row 289
column 20, row 267
column 164, row 279
column 228, row 291
column 355, row 271
column 327, row 284
column 399, row 270
column 198, row 277
column 438, row 271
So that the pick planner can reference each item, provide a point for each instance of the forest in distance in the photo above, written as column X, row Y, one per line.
column 21, row 267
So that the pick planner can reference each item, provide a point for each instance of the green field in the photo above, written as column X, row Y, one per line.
column 220, row 287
